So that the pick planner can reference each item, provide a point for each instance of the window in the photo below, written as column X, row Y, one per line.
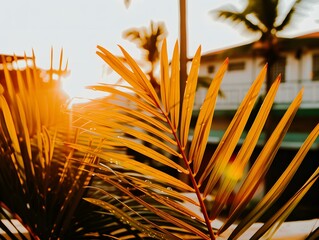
column 279, row 67
column 236, row 66
column 315, row 67
column 211, row 69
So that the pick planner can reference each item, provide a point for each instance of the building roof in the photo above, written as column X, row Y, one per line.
column 299, row 43
column 309, row 35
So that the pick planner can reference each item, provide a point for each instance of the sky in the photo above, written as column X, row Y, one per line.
column 78, row 26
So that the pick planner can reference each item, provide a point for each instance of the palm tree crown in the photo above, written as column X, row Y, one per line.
column 148, row 39
column 263, row 17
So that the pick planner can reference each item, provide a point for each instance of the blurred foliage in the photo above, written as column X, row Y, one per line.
column 266, row 19
column 149, row 40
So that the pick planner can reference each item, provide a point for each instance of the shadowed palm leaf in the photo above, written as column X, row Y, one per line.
column 42, row 181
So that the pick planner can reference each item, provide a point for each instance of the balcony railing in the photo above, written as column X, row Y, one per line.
column 287, row 91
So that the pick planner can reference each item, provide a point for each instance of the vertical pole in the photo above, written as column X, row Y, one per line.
column 183, row 61
column 183, row 45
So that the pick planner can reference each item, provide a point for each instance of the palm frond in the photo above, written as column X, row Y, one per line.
column 235, row 171
column 232, row 135
column 282, row 182
column 279, row 217
column 41, row 186
column 204, row 120
column 297, row 6
column 152, row 127
column 238, row 18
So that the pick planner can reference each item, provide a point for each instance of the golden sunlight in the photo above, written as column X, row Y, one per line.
column 78, row 92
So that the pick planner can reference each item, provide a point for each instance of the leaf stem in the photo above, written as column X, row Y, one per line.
column 194, row 183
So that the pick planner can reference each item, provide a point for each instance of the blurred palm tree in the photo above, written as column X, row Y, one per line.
column 149, row 39
column 127, row 3
column 265, row 18
column 182, row 39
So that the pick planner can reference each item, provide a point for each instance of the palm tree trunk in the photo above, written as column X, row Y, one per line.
column 271, row 57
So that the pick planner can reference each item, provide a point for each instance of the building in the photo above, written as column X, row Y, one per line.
column 299, row 67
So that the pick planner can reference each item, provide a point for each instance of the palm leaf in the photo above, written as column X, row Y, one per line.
column 37, row 186
column 140, row 84
column 168, row 216
column 133, row 165
column 277, row 188
column 204, row 120
column 189, row 97
column 290, row 14
column 125, row 218
column 153, row 129
column 231, row 137
column 260, row 167
column 156, row 123
column 237, row 17
column 136, row 100
column 164, row 86
column 174, row 94
column 147, row 86
column 268, row 152
column 279, row 217
column 236, row 170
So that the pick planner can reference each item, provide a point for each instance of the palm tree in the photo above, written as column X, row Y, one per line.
column 182, row 39
column 149, row 39
column 263, row 17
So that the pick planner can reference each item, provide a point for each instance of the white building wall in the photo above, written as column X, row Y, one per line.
column 236, row 83
column 292, row 68
column 241, row 76
column 307, row 65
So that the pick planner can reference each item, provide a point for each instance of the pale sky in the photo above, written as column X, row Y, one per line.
column 78, row 26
